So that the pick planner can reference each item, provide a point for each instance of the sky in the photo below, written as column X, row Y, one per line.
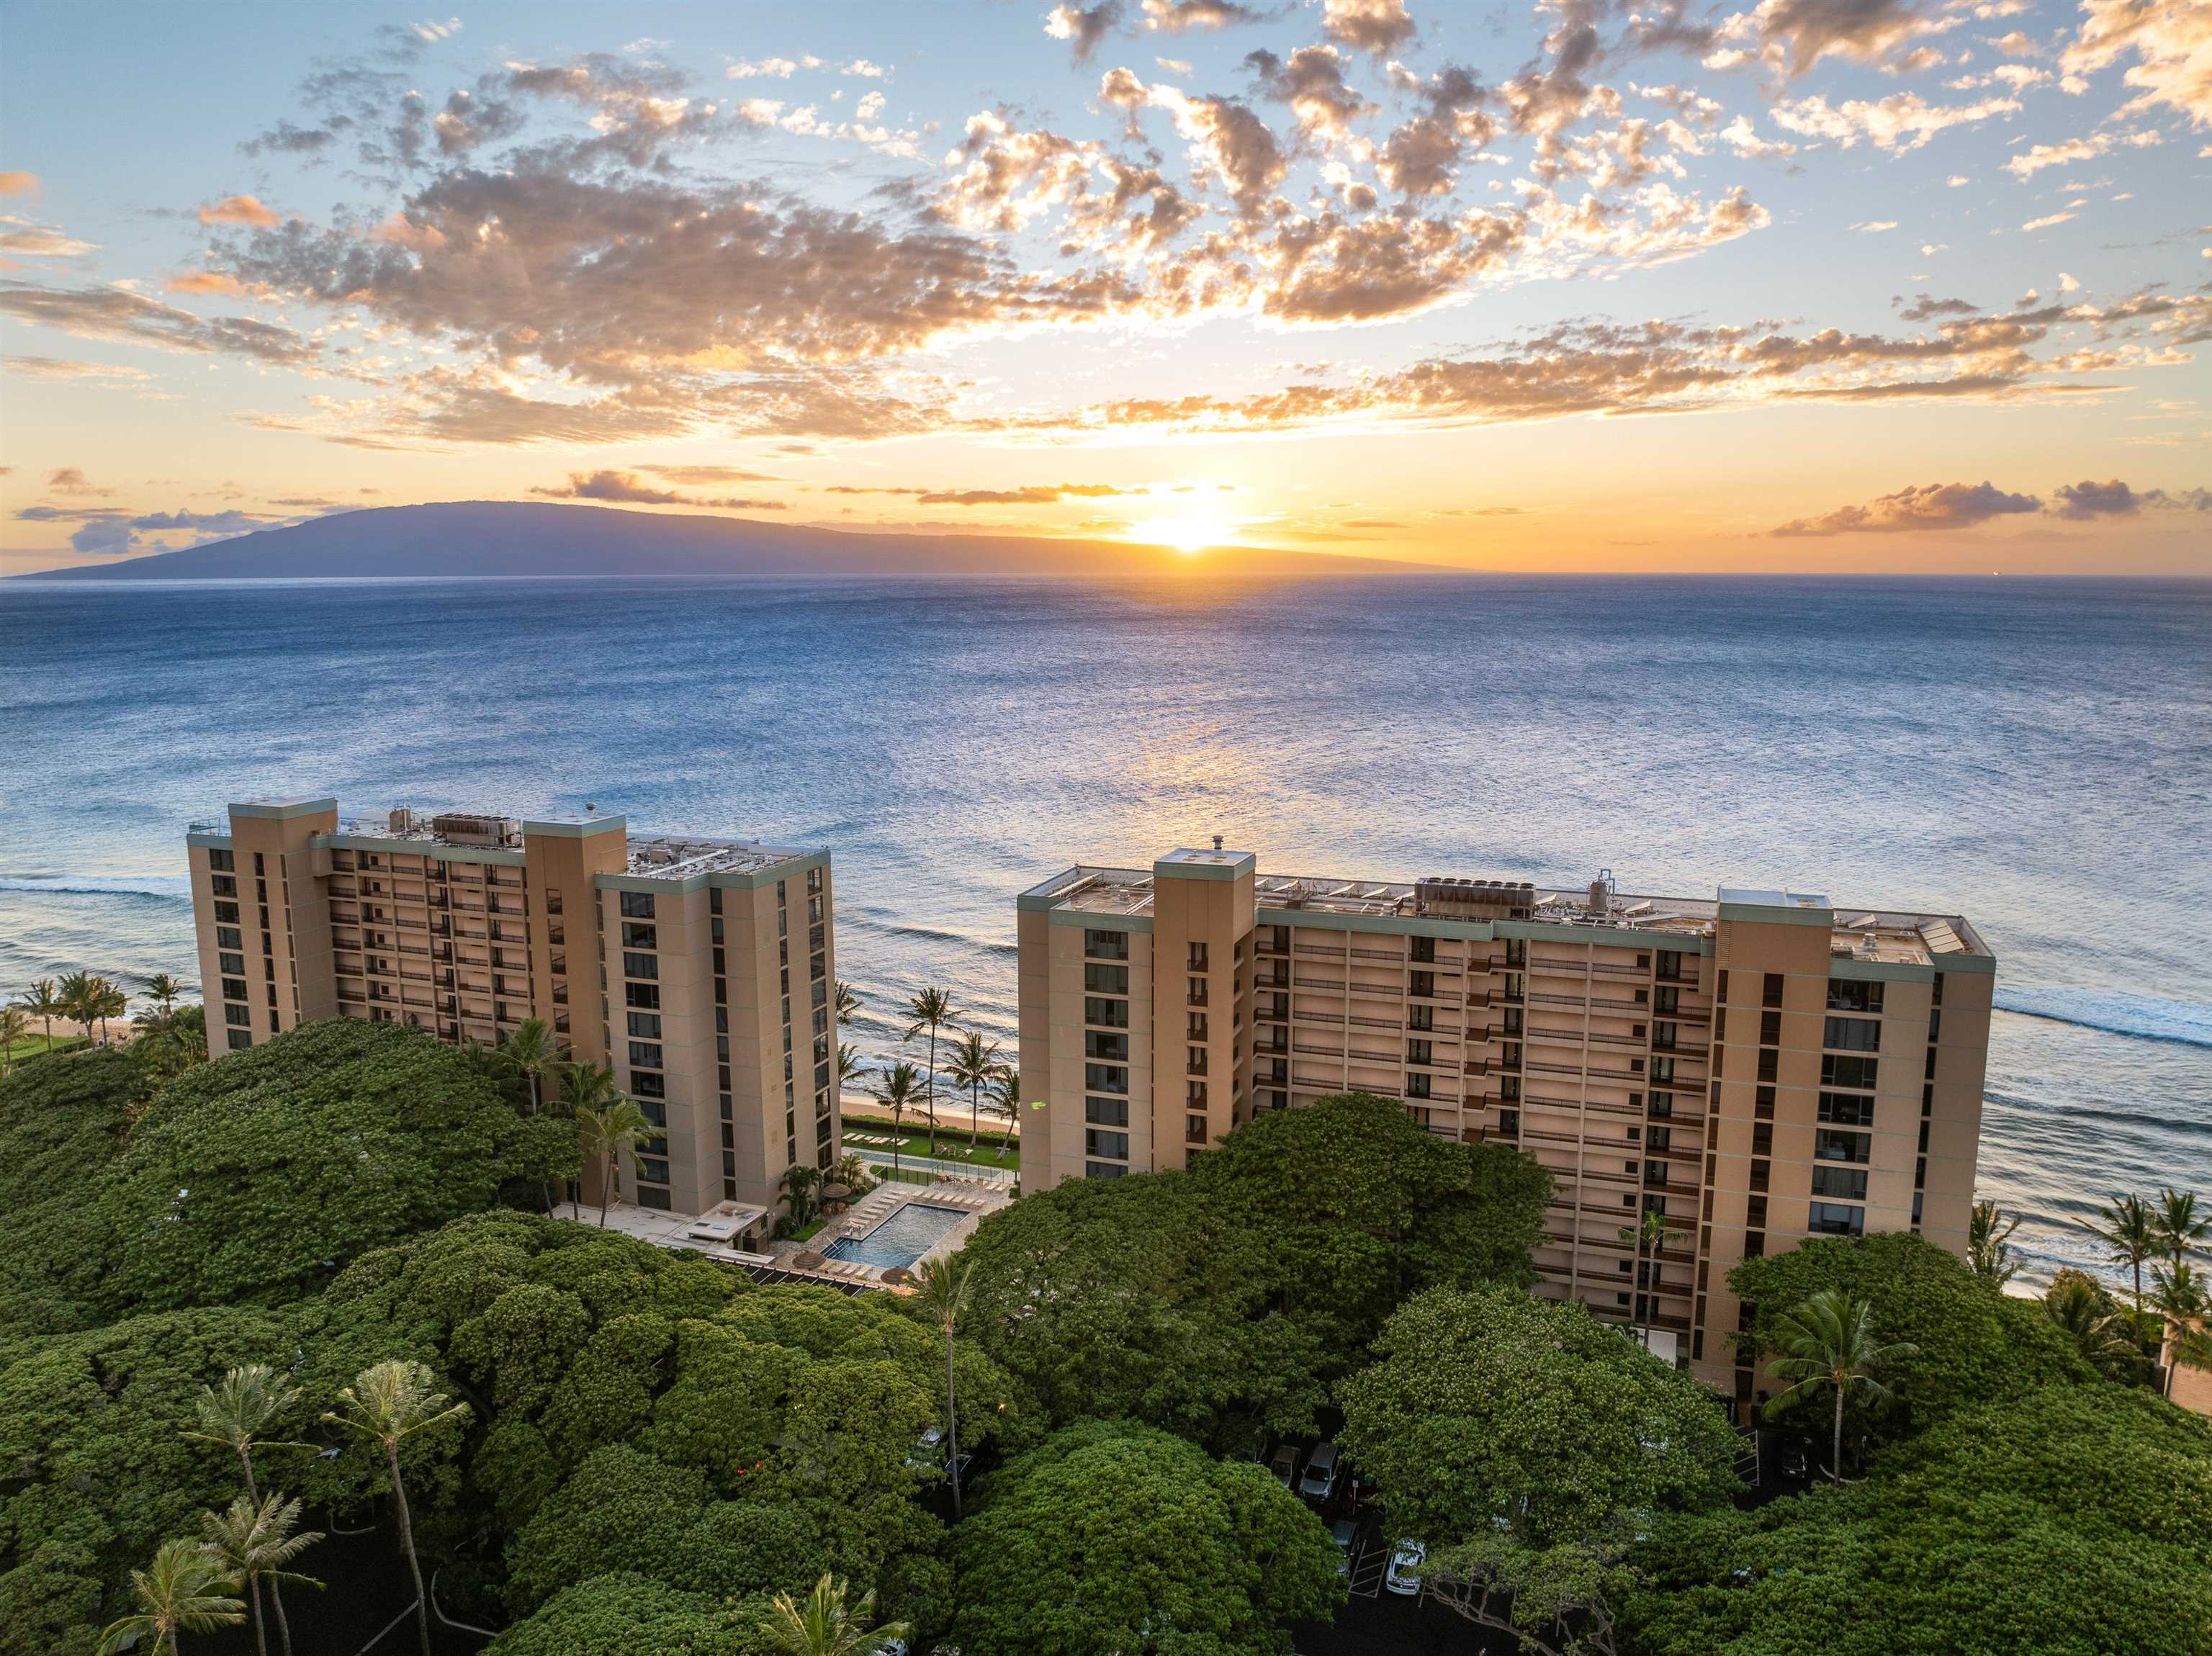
column 1833, row 285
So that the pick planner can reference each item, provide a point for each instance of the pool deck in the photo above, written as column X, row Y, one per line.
column 975, row 1200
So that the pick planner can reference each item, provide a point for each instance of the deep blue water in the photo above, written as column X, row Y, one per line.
column 899, row 1239
column 2037, row 756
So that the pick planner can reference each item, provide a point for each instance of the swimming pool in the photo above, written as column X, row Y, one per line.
column 899, row 1239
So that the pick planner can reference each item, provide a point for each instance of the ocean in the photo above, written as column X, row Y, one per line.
column 2037, row 756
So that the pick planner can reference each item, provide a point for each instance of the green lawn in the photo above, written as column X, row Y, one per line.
column 34, row 1045
column 991, row 1150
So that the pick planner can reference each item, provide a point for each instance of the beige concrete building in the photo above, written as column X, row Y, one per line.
column 703, row 970
column 1756, row 1069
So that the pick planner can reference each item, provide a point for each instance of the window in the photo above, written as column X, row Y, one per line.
column 1838, row 1072
column 226, row 913
column 1114, row 1014
column 1418, row 1051
column 1828, row 1219
column 646, row 1025
column 634, row 936
column 1846, row 1110
column 1197, row 958
column 645, row 995
column 1770, row 993
column 1424, row 948
column 1417, row 1017
column 1845, row 996
column 1097, row 1043
column 1194, row 1060
column 1106, row 1112
column 1106, row 1077
column 1769, row 1028
column 1417, row 1084
column 1667, row 965
column 1829, row 1145
column 229, row 937
column 1842, row 1184
column 641, row 966
column 1193, row 1095
column 637, row 905
column 1103, row 1170
column 644, row 1054
column 1106, row 979
column 221, row 861
column 652, row 1170
column 1194, row 1129
column 1769, row 1064
column 1854, row 1034
column 242, row 1016
column 1106, row 945
column 1424, row 983
column 646, row 1084
column 224, row 885
column 1114, row 1146
column 239, row 1038
column 234, row 964
column 1195, row 1026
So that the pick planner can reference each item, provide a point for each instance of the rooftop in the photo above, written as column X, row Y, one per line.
column 1880, row 934
column 678, row 855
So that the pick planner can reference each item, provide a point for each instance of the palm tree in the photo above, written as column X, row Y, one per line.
column 2130, row 1236
column 1649, row 1232
column 234, row 1415
column 178, row 1593
column 1829, row 1341
column 823, row 1625
column 941, row 1292
column 2192, row 1349
column 78, row 999
column 848, row 1001
column 42, row 1002
column 164, row 992
column 2079, row 1303
column 1005, row 1095
column 931, row 1009
column 974, row 1061
column 2179, row 1296
column 585, row 1086
column 1988, row 1249
column 537, row 1053
column 253, row 1542
column 894, row 1089
column 799, row 1181
column 2181, row 1231
column 386, row 1405
column 605, row 1134
column 14, row 1026
column 849, row 1067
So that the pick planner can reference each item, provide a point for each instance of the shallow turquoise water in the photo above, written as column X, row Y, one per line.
column 899, row 1239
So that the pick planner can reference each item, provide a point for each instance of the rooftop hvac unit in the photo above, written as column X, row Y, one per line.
column 461, row 830
column 402, row 820
column 1453, row 898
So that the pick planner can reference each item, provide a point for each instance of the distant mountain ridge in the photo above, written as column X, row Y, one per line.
column 522, row 540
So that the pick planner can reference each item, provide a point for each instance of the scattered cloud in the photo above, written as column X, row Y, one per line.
column 1900, row 122
column 697, row 476
column 2048, row 220
column 1875, row 225
column 1790, row 36
column 28, row 240
column 18, row 184
column 117, row 313
column 2085, row 500
column 68, row 369
column 1927, row 506
column 238, row 210
column 624, row 486
column 1377, row 26
column 70, row 480
column 2170, row 42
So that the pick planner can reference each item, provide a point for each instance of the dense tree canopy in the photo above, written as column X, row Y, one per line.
column 1528, row 1445
column 1113, row 1538
column 2074, row 1521
column 1231, row 1298
column 63, row 1120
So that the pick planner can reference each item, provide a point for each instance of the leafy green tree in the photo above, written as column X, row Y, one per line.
column 941, row 1296
column 79, row 998
column 180, row 1592
column 1989, row 1246
column 930, row 1009
column 1111, row 1536
column 2067, row 1520
column 385, row 1405
column 799, row 1184
column 1529, row 1444
column 15, row 1025
column 2181, row 1227
column 1970, row 1344
column 253, row 1541
column 626, row 1613
column 2081, row 1305
column 605, row 1136
column 1828, row 1343
column 825, row 1624
column 2128, row 1227
column 974, row 1061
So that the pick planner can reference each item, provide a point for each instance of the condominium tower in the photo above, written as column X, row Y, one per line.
column 702, row 970
column 1756, row 1068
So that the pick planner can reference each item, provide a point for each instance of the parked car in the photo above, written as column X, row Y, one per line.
column 1342, row 1531
column 1405, row 1558
column 1320, row 1480
column 1790, row 1462
column 924, row 1457
column 1285, row 1466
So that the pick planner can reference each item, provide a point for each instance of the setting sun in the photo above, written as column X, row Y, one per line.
column 1186, row 535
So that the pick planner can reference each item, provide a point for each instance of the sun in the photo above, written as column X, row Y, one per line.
column 1189, row 536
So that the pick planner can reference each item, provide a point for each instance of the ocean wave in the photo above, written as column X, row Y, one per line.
column 157, row 887
column 2146, row 1017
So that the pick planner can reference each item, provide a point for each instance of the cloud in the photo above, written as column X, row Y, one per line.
column 237, row 209
column 1030, row 495
column 1924, row 308
column 1927, row 506
column 207, row 282
column 1790, row 36
column 106, row 539
column 694, row 476
column 18, row 184
column 782, row 69
column 1901, row 122
column 2170, row 41
column 1379, row 27
column 32, row 241
column 1084, row 27
column 116, row 313
column 1311, row 82
column 1875, row 225
column 624, row 487
column 1175, row 16
column 64, row 368
column 70, row 480
column 2083, row 501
